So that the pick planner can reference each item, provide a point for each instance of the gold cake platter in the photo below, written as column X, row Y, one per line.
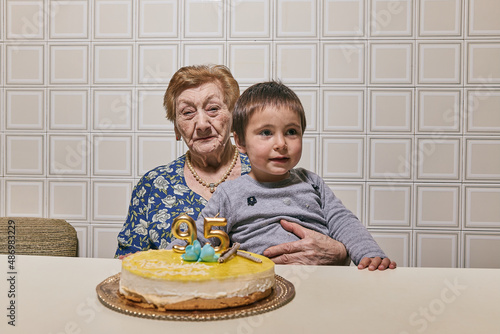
column 107, row 292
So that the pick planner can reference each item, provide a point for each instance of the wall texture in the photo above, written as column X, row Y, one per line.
column 402, row 100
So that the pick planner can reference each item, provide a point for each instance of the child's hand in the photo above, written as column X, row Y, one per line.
column 374, row 263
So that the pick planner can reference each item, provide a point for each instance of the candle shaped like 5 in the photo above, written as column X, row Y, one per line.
column 190, row 235
column 219, row 234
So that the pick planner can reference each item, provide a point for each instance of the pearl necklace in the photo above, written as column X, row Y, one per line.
column 212, row 186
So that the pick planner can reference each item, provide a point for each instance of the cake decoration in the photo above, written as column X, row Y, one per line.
column 228, row 253
column 195, row 253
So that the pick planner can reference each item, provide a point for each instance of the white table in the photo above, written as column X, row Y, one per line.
column 57, row 295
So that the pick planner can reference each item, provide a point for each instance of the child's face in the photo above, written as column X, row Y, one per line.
column 273, row 143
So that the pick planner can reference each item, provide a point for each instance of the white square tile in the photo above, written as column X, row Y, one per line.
column 296, row 63
column 154, row 151
column 389, row 205
column 69, row 19
column 204, row 19
column 478, row 248
column 113, row 64
column 25, row 20
column 441, row 18
column 309, row 100
column 396, row 245
column 438, row 159
column 250, row 18
column 437, row 249
column 344, row 18
column 343, row 110
column 309, row 154
column 113, row 19
column 343, row 63
column 481, row 206
column 158, row 18
column 439, row 111
column 24, row 198
column 82, row 233
column 483, row 110
column 439, row 63
column 157, row 63
column 250, row 63
column 25, row 154
column 24, row 64
column 68, row 199
column 343, row 157
column 391, row 18
column 104, row 240
column 390, row 158
column 438, row 206
column 24, row 109
column 150, row 111
column 296, row 18
column 483, row 18
column 206, row 53
column 391, row 63
column 112, row 155
column 69, row 64
column 112, row 110
column 351, row 195
column 483, row 63
column 482, row 159
column 69, row 155
column 391, row 110
column 110, row 200
column 68, row 109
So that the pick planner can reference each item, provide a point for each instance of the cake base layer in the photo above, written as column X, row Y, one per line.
column 200, row 303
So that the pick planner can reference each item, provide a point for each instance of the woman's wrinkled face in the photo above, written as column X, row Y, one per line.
column 203, row 119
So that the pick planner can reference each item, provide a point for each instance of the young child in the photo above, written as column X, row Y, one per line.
column 268, row 124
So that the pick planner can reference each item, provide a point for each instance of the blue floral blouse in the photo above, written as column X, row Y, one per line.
column 160, row 196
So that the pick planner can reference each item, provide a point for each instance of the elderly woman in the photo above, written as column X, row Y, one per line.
column 199, row 101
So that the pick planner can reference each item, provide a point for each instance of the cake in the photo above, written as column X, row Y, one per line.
column 162, row 279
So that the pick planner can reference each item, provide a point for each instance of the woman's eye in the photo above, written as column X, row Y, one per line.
column 213, row 108
column 187, row 112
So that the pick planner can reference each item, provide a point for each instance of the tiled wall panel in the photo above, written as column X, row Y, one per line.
column 402, row 101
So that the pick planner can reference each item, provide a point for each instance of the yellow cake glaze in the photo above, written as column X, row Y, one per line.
column 168, row 265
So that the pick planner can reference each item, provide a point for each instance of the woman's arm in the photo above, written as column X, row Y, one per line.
column 313, row 248
column 133, row 236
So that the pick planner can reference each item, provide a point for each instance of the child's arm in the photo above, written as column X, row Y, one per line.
column 374, row 263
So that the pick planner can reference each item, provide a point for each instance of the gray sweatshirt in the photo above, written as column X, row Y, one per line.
column 253, row 211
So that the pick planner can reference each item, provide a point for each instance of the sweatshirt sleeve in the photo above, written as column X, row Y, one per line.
column 345, row 227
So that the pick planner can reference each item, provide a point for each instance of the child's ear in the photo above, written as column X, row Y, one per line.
column 239, row 144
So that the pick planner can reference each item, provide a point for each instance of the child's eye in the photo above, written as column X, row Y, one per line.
column 292, row 132
column 265, row 133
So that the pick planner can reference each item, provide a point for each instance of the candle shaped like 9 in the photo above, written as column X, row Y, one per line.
column 190, row 235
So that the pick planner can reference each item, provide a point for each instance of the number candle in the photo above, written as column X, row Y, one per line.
column 219, row 234
column 190, row 235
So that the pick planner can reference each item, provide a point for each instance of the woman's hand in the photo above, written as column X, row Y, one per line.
column 314, row 248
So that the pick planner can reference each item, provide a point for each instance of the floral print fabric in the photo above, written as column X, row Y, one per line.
column 160, row 196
